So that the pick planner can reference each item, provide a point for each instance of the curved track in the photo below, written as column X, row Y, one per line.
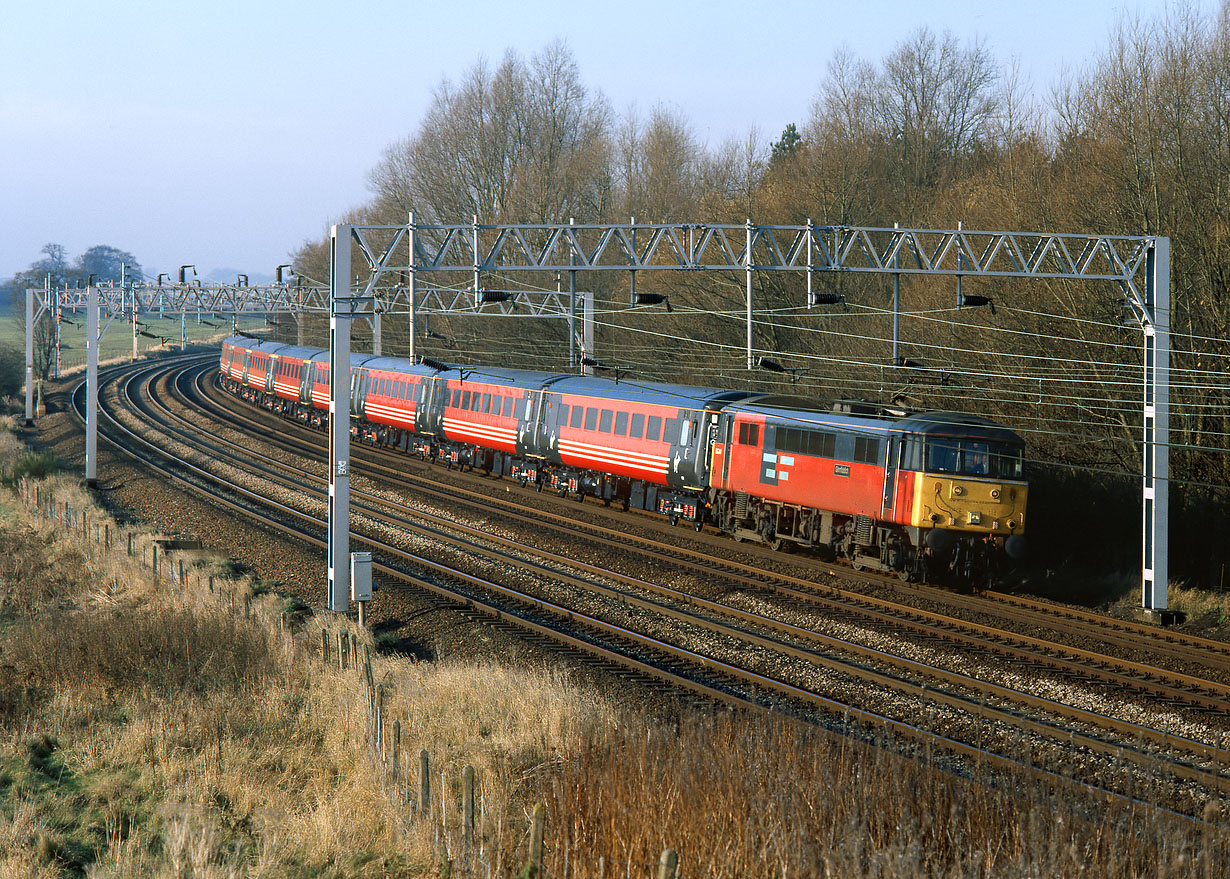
column 775, row 655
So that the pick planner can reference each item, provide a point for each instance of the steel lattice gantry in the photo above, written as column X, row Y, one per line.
column 104, row 303
column 1140, row 265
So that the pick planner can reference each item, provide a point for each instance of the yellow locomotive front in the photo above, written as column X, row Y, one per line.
column 968, row 495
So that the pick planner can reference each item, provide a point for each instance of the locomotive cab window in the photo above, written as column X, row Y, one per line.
column 974, row 458
column 749, row 433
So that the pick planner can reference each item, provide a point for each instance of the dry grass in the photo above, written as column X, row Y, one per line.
column 152, row 728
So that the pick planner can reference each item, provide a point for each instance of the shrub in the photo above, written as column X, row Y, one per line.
column 36, row 465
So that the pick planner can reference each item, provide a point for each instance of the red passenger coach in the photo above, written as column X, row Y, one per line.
column 482, row 414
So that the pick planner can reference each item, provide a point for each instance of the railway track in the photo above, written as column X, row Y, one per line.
column 750, row 658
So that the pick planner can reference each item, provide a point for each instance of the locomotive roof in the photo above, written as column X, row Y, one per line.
column 956, row 424
column 801, row 413
column 797, row 412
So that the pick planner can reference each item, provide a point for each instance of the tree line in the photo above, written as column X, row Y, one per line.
column 938, row 132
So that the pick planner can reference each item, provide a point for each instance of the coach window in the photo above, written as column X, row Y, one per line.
column 591, row 418
column 621, row 423
column 465, row 400
column 653, row 428
column 508, row 406
column 486, row 404
column 604, row 421
column 578, row 415
column 637, row 429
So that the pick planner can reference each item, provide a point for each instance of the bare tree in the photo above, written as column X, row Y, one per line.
column 523, row 143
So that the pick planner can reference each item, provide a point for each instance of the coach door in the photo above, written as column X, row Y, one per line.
column 890, row 476
column 723, row 436
column 688, row 440
column 306, row 371
column 358, row 390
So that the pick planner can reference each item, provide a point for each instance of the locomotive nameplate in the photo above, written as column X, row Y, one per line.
column 841, row 469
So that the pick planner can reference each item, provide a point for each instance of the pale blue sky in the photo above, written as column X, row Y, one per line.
column 224, row 133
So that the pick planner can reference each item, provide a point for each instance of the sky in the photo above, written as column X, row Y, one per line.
column 225, row 134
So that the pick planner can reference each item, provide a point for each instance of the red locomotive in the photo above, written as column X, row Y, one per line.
column 920, row 495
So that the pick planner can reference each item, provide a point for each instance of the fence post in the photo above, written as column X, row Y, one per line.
column 424, row 784
column 534, row 866
column 342, row 653
column 324, row 644
column 396, row 752
column 130, row 544
column 467, row 803
column 667, row 864
column 380, row 722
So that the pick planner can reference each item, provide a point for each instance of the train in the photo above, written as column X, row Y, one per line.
column 927, row 496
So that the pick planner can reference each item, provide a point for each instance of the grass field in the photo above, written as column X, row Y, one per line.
column 164, row 334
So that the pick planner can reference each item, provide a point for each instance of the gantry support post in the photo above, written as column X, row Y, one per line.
column 587, row 329
column 91, row 388
column 1156, row 323
column 54, row 301
column 410, row 282
column 748, row 267
column 572, row 298
column 29, row 358
column 341, row 314
column 896, row 301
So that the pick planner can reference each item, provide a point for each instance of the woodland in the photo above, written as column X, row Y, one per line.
column 937, row 133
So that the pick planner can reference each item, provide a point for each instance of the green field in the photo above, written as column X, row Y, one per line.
column 164, row 334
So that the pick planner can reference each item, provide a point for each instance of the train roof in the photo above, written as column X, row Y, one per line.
column 801, row 413
column 798, row 412
column 636, row 391
column 956, row 424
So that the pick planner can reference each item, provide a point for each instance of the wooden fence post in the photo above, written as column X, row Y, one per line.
column 424, row 784
column 667, row 864
column 130, row 544
column 396, row 751
column 467, row 803
column 324, row 646
column 533, row 867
